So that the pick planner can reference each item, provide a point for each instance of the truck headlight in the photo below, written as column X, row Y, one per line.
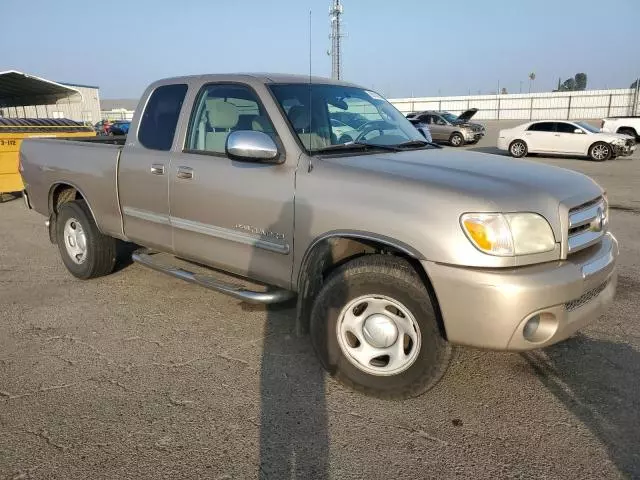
column 508, row 234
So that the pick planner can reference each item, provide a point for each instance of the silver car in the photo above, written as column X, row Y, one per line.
column 447, row 127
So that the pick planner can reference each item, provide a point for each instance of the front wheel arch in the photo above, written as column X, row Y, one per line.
column 320, row 260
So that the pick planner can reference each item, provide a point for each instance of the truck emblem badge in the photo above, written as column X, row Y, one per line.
column 260, row 231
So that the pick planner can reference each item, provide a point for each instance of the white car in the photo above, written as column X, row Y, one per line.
column 564, row 137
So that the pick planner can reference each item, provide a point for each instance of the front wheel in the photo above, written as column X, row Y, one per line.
column 85, row 251
column 375, row 329
column 456, row 140
column 600, row 151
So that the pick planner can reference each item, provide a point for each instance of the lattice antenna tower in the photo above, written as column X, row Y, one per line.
column 335, row 14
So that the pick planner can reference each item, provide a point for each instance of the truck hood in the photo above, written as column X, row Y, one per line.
column 488, row 181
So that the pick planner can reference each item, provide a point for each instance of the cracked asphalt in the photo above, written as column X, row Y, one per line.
column 138, row 375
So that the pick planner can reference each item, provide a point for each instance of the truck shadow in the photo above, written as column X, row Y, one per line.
column 294, row 439
column 597, row 380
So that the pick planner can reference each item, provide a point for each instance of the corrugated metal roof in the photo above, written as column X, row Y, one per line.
column 20, row 89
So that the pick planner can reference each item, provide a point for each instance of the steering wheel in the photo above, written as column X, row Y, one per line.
column 366, row 128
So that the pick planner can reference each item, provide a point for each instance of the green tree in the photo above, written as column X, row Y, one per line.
column 634, row 85
column 569, row 85
column 581, row 81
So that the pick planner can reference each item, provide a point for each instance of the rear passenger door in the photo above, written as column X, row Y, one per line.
column 540, row 137
column 237, row 216
column 143, row 174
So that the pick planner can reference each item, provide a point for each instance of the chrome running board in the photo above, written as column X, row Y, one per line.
column 269, row 295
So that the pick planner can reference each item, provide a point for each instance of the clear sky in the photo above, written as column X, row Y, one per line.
column 397, row 47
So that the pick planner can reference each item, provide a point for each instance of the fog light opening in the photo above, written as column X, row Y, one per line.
column 531, row 327
column 540, row 327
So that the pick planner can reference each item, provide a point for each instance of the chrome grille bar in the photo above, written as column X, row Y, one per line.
column 587, row 224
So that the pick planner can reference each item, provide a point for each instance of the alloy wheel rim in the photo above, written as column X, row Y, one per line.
column 517, row 149
column 600, row 151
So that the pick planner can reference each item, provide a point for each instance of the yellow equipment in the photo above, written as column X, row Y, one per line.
column 14, row 130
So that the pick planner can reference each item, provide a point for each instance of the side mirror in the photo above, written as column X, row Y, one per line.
column 577, row 130
column 252, row 146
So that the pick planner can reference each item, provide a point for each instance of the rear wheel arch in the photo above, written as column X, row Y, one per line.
column 60, row 193
column 628, row 131
column 330, row 251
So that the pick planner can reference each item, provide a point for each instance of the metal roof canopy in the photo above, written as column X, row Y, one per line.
column 19, row 89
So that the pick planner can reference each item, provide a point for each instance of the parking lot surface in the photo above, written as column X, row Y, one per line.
column 138, row 375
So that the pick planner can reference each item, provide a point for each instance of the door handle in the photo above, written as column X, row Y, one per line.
column 157, row 169
column 185, row 173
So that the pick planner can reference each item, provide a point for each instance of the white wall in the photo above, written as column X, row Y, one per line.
column 589, row 104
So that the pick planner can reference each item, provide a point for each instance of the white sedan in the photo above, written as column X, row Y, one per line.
column 564, row 137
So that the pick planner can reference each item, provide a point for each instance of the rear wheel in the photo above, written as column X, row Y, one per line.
column 375, row 329
column 85, row 251
column 518, row 149
column 600, row 151
column 456, row 140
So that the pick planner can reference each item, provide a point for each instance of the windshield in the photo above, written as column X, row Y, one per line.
column 449, row 117
column 325, row 116
column 587, row 127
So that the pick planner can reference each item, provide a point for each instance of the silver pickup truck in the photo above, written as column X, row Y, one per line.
column 396, row 250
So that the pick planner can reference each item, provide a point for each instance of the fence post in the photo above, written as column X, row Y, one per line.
column 569, row 108
column 439, row 105
column 609, row 106
column 531, row 110
column 498, row 115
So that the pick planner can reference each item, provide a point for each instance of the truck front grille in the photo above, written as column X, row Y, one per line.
column 587, row 224
column 586, row 297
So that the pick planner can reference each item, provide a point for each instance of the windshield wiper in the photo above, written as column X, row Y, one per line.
column 356, row 146
column 417, row 143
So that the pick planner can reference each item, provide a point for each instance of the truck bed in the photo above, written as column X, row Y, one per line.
column 88, row 164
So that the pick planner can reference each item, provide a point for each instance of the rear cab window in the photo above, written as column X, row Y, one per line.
column 160, row 117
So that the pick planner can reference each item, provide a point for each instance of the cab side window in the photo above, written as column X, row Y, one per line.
column 222, row 109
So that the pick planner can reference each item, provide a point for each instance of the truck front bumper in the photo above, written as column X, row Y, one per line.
column 528, row 307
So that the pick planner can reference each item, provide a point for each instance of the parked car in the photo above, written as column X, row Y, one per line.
column 625, row 125
column 120, row 127
column 564, row 137
column 396, row 250
column 102, row 127
column 447, row 127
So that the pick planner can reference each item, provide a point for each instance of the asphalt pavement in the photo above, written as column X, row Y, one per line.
column 138, row 375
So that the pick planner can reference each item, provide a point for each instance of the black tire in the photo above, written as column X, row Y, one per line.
column 395, row 278
column 518, row 149
column 595, row 152
column 100, row 256
column 456, row 140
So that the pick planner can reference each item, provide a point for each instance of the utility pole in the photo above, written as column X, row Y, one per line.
column 335, row 12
